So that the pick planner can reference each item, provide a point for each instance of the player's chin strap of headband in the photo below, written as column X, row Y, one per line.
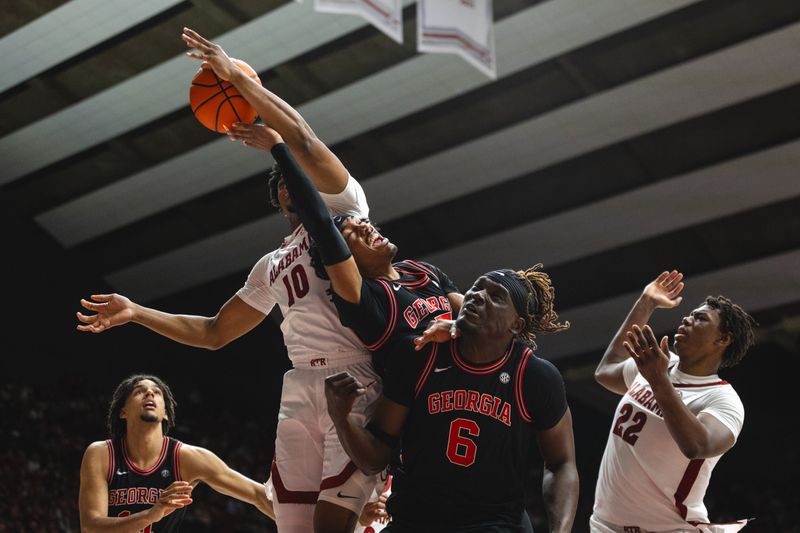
column 524, row 300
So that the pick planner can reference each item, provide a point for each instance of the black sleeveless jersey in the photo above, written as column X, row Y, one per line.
column 392, row 313
column 468, row 438
column 131, row 490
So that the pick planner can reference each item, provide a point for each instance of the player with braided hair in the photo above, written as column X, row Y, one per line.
column 467, row 415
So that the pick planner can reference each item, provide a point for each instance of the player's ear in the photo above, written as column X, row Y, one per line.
column 122, row 414
column 725, row 339
column 517, row 326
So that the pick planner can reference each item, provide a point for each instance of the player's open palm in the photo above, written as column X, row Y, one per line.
column 111, row 310
column 665, row 289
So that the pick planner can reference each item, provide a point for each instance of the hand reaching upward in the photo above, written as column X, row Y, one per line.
column 664, row 290
column 112, row 310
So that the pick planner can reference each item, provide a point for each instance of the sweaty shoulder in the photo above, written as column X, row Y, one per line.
column 543, row 392
column 351, row 201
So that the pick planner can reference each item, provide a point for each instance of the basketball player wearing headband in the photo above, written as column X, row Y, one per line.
column 676, row 417
column 467, row 410
column 315, row 485
column 142, row 480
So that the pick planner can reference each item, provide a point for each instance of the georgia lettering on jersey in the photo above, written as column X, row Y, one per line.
column 392, row 313
column 131, row 490
column 471, row 433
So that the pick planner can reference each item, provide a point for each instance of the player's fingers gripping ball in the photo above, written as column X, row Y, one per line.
column 216, row 103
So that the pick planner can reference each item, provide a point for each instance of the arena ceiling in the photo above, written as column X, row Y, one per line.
column 621, row 138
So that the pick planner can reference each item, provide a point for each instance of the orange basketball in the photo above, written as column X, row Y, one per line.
column 216, row 103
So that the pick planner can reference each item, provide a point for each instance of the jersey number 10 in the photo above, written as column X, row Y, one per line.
column 299, row 281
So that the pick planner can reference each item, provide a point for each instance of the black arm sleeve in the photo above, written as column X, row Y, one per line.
column 543, row 393
column 310, row 208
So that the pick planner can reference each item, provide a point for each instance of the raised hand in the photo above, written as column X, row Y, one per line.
column 438, row 331
column 112, row 310
column 177, row 495
column 664, row 290
column 256, row 136
column 374, row 512
column 652, row 358
column 341, row 391
column 210, row 53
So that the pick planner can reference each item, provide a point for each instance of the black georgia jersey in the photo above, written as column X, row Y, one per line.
column 131, row 490
column 468, row 439
column 392, row 313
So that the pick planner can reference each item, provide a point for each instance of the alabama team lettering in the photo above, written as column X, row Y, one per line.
column 288, row 259
column 422, row 307
column 645, row 397
column 133, row 496
column 470, row 400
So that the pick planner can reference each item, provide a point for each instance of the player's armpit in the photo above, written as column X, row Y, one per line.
column 611, row 377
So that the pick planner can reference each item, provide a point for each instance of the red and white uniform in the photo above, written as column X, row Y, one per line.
column 310, row 463
column 646, row 484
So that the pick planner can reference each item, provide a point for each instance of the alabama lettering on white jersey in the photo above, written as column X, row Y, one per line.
column 645, row 480
column 311, row 328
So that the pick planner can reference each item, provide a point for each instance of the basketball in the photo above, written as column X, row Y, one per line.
column 216, row 103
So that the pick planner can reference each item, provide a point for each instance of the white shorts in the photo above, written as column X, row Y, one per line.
column 597, row 525
column 310, row 463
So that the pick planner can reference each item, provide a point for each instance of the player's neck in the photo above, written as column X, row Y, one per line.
column 702, row 367
column 143, row 443
column 386, row 273
column 479, row 349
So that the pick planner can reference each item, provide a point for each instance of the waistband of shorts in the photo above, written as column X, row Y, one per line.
column 328, row 361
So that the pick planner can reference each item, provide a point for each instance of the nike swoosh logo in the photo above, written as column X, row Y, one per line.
column 340, row 495
column 442, row 369
column 121, row 473
column 396, row 287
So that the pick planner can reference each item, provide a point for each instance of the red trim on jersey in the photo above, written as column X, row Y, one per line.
column 421, row 282
column 712, row 384
column 425, row 269
column 523, row 363
column 284, row 495
column 176, row 460
column 423, row 378
column 390, row 324
column 340, row 478
column 685, row 486
column 111, row 461
column 472, row 369
column 164, row 448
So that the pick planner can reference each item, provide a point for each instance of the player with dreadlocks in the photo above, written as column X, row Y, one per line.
column 468, row 415
column 467, row 410
column 142, row 480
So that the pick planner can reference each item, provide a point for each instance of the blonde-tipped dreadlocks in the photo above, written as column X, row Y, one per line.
column 542, row 295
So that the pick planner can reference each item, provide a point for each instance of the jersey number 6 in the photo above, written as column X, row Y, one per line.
column 461, row 449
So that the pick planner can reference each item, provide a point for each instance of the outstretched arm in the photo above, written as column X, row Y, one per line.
column 662, row 292
column 93, row 498
column 336, row 257
column 233, row 320
column 314, row 157
column 698, row 436
column 370, row 451
column 199, row 464
column 560, row 480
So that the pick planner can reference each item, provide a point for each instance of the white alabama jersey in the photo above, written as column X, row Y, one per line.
column 311, row 329
column 645, row 481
